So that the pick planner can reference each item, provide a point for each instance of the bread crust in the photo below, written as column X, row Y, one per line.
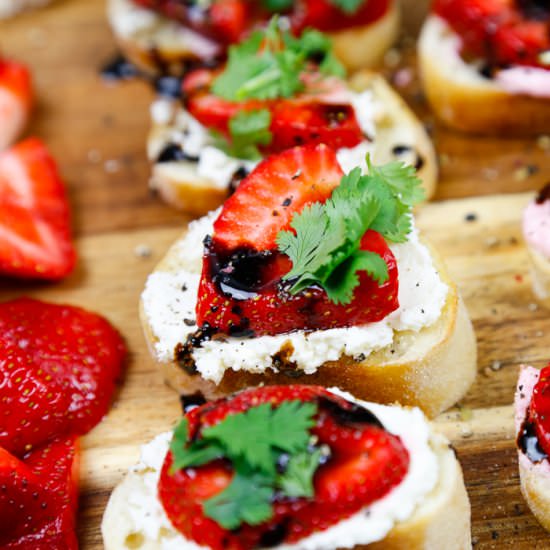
column 179, row 184
column 431, row 369
column 540, row 273
column 535, row 487
column 357, row 48
column 465, row 100
column 441, row 521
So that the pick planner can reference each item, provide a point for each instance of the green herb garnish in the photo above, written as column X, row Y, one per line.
column 269, row 64
column 347, row 6
column 248, row 130
column 325, row 244
column 253, row 441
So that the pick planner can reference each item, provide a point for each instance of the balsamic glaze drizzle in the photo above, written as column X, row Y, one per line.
column 528, row 442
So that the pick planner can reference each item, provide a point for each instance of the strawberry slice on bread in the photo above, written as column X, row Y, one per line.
column 15, row 100
column 35, row 228
column 58, row 370
column 293, row 467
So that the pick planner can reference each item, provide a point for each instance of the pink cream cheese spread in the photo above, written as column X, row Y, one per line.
column 536, row 223
column 531, row 81
column 528, row 377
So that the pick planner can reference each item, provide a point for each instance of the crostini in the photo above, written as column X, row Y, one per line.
column 217, row 483
column 274, row 94
column 536, row 231
column 532, row 420
column 160, row 36
column 260, row 305
column 485, row 65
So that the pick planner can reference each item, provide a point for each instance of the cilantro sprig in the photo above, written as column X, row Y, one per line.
column 270, row 64
column 347, row 6
column 325, row 244
column 254, row 442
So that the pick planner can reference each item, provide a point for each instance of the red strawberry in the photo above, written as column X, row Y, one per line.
column 58, row 368
column 354, row 476
column 306, row 119
column 241, row 288
column 539, row 409
column 15, row 100
column 251, row 296
column 325, row 16
column 267, row 199
column 35, row 234
column 38, row 498
column 503, row 32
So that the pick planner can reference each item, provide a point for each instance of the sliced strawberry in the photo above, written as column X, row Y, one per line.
column 348, row 481
column 15, row 100
column 502, row 32
column 267, row 199
column 35, row 233
column 539, row 409
column 38, row 498
column 246, row 294
column 326, row 16
column 58, row 369
column 310, row 118
column 241, row 289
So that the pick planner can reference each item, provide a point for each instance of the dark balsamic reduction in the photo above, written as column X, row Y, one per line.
column 183, row 353
column 539, row 10
column 544, row 194
column 274, row 536
column 236, row 179
column 190, row 402
column 399, row 150
column 238, row 274
column 350, row 415
column 119, row 68
column 173, row 152
column 528, row 442
column 168, row 86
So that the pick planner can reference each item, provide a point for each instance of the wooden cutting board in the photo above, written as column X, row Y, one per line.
column 98, row 132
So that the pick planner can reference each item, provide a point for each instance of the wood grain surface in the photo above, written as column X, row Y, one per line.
column 97, row 132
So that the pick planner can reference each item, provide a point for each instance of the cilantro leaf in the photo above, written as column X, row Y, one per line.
column 325, row 244
column 269, row 64
column 247, row 499
column 278, row 5
column 297, row 480
column 402, row 179
column 194, row 455
column 253, row 436
column 347, row 6
column 248, row 129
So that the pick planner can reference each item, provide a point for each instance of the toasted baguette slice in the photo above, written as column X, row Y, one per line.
column 431, row 369
column 180, row 185
column 157, row 44
column 463, row 99
column 8, row 8
column 441, row 520
column 534, row 477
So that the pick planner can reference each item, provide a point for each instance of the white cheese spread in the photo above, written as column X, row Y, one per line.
column 152, row 30
column 422, row 295
column 145, row 516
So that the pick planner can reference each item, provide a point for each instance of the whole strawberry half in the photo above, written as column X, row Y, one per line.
column 38, row 497
column 365, row 463
column 502, row 32
column 312, row 117
column 58, row 369
column 35, row 232
column 241, row 288
column 15, row 100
